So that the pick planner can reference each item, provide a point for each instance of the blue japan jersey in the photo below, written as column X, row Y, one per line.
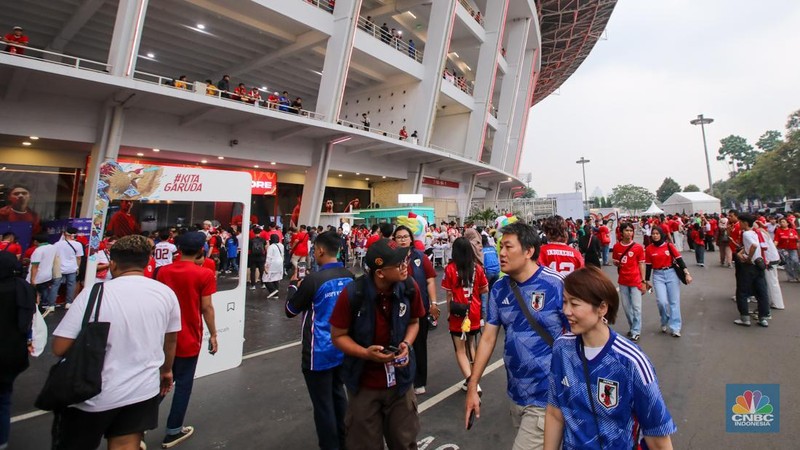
column 526, row 355
column 624, row 391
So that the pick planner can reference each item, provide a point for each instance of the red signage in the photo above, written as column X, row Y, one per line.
column 264, row 183
column 439, row 182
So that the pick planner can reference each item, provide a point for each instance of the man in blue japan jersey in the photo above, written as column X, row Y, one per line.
column 526, row 355
column 625, row 400
column 315, row 297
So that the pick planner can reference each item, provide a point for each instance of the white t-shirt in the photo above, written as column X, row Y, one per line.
column 749, row 238
column 69, row 258
column 44, row 256
column 163, row 253
column 140, row 311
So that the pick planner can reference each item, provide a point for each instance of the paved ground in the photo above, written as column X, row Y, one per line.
column 264, row 404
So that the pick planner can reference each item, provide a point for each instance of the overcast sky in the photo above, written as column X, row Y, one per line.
column 627, row 107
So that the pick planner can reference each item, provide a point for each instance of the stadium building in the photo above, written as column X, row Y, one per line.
column 395, row 96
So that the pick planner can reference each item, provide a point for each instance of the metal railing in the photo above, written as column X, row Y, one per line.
column 325, row 5
column 493, row 110
column 527, row 208
column 212, row 91
column 459, row 82
column 71, row 61
column 387, row 38
column 371, row 129
column 475, row 14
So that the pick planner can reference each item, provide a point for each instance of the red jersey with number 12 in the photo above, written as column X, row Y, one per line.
column 560, row 257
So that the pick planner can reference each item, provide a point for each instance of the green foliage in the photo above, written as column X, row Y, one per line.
column 529, row 193
column 691, row 188
column 667, row 188
column 631, row 197
column 736, row 150
column 483, row 217
column 769, row 141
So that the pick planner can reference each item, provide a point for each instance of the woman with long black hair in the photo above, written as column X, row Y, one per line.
column 464, row 281
column 658, row 259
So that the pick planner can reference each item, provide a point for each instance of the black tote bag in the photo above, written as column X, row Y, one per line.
column 77, row 376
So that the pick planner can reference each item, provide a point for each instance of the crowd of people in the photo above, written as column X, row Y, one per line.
column 364, row 339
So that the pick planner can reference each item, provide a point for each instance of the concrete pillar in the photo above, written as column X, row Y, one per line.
column 106, row 147
column 314, row 187
column 466, row 189
column 337, row 59
column 126, row 37
column 485, row 77
column 517, row 129
column 512, row 83
column 415, row 178
column 440, row 28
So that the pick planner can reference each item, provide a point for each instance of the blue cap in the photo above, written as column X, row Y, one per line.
column 191, row 241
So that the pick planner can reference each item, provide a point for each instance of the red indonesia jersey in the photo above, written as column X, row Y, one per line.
column 560, row 257
column 629, row 259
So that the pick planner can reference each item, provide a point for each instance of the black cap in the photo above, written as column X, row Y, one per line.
column 192, row 241
column 72, row 230
column 385, row 253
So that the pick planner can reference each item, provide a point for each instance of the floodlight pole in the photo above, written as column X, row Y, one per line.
column 583, row 161
column 703, row 121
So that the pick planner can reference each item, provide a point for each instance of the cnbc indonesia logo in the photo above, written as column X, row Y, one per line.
column 753, row 408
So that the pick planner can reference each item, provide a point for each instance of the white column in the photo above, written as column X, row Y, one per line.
column 314, row 187
column 485, row 76
column 337, row 59
column 517, row 129
column 517, row 31
column 106, row 147
column 127, row 36
column 440, row 28
column 466, row 189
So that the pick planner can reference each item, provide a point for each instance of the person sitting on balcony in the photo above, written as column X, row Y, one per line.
column 180, row 83
column 414, row 137
column 478, row 18
column 284, row 101
column 240, row 93
column 224, row 85
column 272, row 100
column 386, row 37
column 15, row 37
column 211, row 89
column 365, row 121
column 297, row 106
column 254, row 96
column 403, row 133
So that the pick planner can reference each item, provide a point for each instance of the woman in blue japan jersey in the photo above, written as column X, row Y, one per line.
column 622, row 399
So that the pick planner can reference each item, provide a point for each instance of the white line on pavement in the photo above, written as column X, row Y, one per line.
column 271, row 350
column 30, row 415
column 433, row 401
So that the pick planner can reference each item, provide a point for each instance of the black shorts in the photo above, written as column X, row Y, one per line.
column 256, row 263
column 469, row 333
column 74, row 429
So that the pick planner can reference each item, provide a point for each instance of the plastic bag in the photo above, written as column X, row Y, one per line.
column 39, row 335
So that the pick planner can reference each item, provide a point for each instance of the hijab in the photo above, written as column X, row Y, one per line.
column 661, row 235
column 25, row 296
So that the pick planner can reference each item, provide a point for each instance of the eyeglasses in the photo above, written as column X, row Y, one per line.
column 401, row 237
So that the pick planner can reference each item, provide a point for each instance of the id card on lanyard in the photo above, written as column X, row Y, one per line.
column 391, row 379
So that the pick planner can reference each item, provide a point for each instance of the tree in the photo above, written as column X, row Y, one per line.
column 769, row 141
column 691, row 188
column 668, row 187
column 631, row 197
column 737, row 151
column 484, row 216
column 529, row 193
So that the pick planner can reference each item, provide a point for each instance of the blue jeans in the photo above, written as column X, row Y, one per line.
column 183, row 373
column 70, row 279
column 668, row 296
column 700, row 254
column 5, row 412
column 45, row 291
column 792, row 263
column 605, row 254
column 326, row 389
column 632, row 304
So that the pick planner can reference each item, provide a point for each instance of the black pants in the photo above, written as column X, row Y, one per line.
column 326, row 389
column 272, row 286
column 709, row 243
column 750, row 280
column 421, row 352
column 256, row 265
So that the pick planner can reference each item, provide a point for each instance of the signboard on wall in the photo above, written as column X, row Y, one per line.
column 139, row 182
column 440, row 182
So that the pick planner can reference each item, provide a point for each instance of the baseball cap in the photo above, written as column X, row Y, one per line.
column 191, row 241
column 17, row 28
column 385, row 253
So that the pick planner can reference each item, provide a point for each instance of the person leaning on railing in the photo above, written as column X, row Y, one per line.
column 16, row 37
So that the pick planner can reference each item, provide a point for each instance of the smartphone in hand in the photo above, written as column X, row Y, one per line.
column 390, row 349
column 471, row 419
column 210, row 347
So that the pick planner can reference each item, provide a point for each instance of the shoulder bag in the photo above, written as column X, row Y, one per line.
column 462, row 309
column 77, row 376
column 678, row 271
column 537, row 327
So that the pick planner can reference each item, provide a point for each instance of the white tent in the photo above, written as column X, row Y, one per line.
column 690, row 203
column 653, row 210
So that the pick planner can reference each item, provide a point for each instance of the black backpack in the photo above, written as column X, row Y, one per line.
column 258, row 246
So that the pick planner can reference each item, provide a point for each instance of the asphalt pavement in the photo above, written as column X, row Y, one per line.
column 263, row 404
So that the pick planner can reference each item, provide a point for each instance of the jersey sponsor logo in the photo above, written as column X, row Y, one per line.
column 607, row 392
column 417, row 262
column 537, row 301
column 403, row 309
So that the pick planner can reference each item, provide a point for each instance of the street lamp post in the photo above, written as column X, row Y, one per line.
column 703, row 121
column 583, row 161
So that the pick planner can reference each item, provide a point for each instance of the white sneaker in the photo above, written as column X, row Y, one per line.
column 420, row 390
column 664, row 329
column 67, row 305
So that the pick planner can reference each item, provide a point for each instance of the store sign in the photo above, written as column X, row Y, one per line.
column 264, row 183
column 440, row 182
column 142, row 182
